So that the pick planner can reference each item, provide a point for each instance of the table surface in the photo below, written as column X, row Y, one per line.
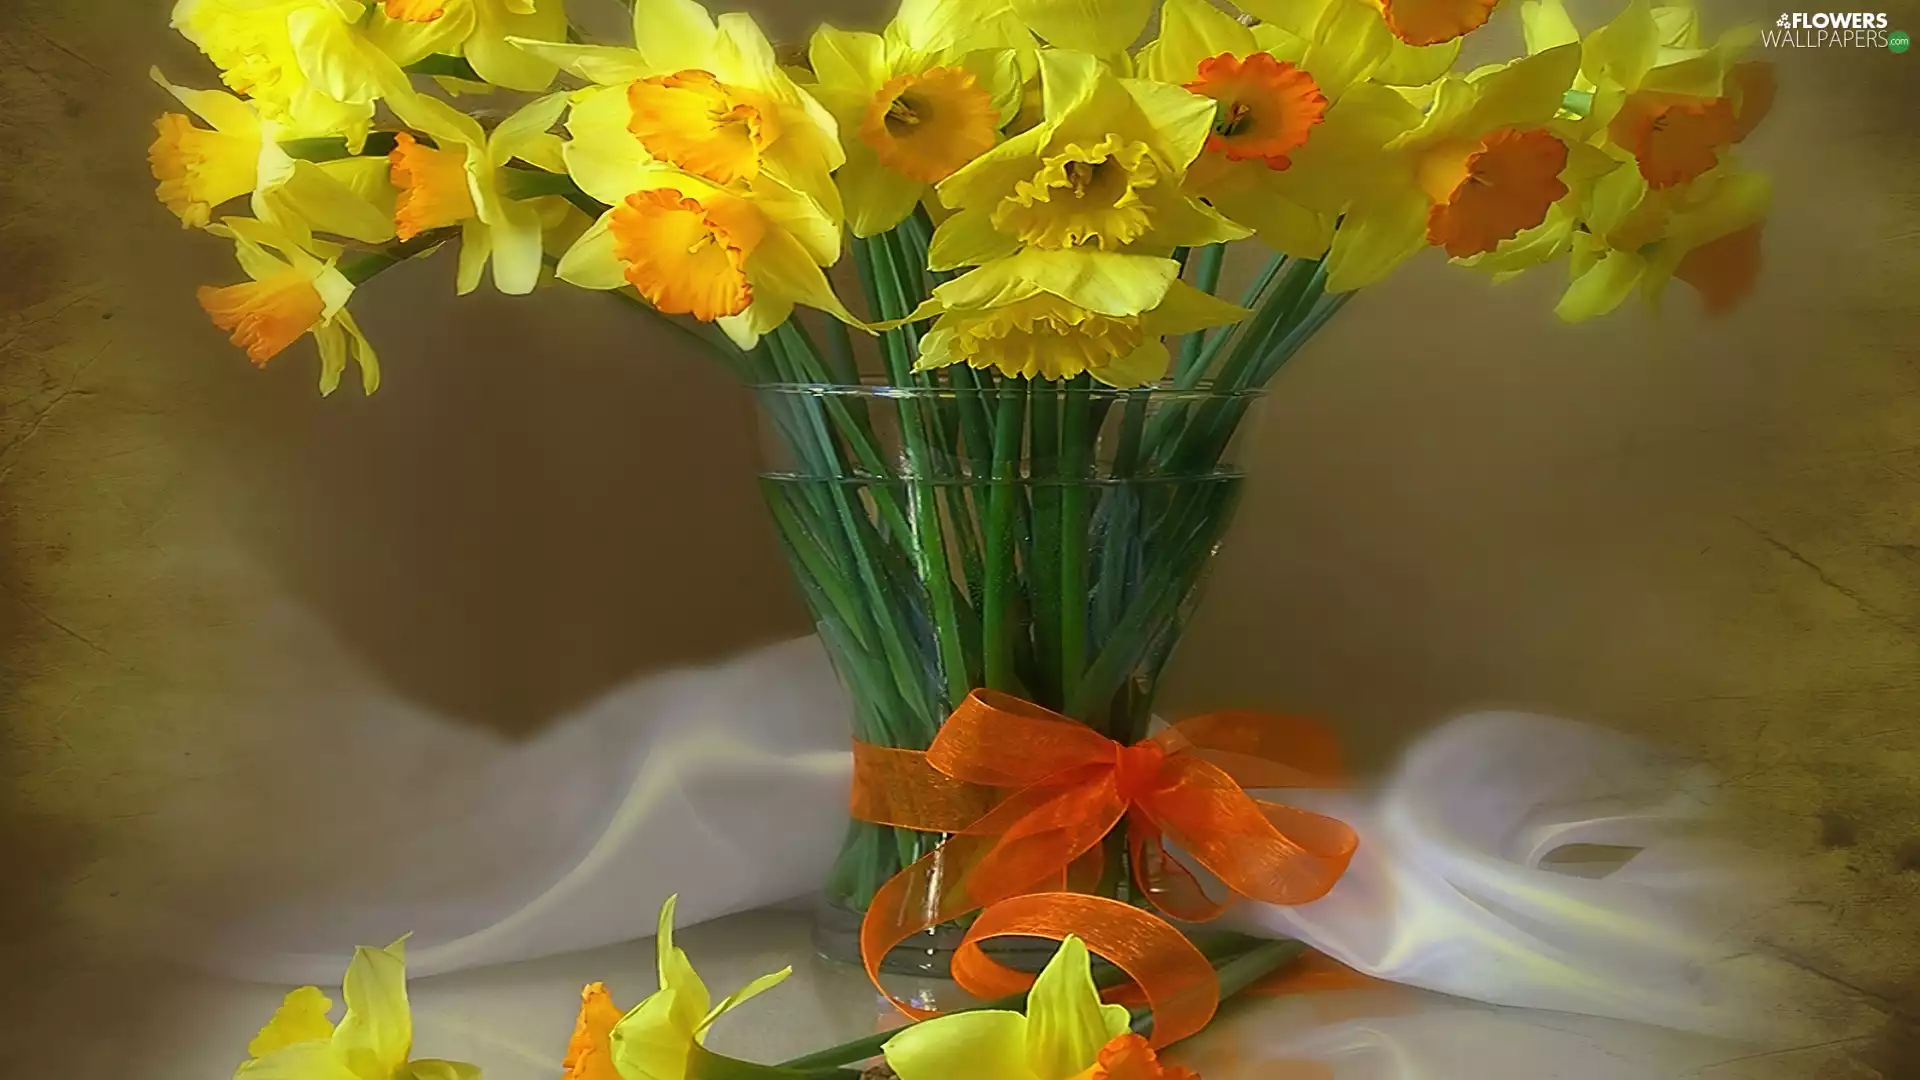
column 513, row 1020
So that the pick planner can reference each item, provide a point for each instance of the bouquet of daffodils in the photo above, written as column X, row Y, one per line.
column 1029, row 187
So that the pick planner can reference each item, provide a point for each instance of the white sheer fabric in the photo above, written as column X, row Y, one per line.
column 732, row 793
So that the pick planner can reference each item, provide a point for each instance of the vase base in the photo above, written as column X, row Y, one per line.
column 927, row 955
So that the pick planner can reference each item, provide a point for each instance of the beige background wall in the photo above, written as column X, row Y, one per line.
column 1704, row 532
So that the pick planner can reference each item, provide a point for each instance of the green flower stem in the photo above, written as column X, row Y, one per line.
column 1206, row 278
column 1237, row 963
column 334, row 147
column 445, row 66
column 1076, row 447
column 996, row 603
column 889, row 274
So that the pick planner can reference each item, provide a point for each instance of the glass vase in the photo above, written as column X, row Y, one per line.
column 1040, row 538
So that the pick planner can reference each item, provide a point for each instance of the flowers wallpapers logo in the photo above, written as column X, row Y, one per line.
column 1832, row 29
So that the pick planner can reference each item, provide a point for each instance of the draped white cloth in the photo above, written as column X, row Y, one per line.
column 728, row 786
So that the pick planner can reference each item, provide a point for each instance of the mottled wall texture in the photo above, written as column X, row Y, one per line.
column 1704, row 532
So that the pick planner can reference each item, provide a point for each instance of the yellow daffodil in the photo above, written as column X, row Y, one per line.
column 703, row 95
column 411, row 30
column 693, row 247
column 1066, row 1034
column 1104, row 170
column 1481, row 166
column 590, row 1050
column 1656, row 90
column 202, row 168
column 1354, row 41
column 371, row 1042
column 458, row 181
column 296, row 289
column 304, row 63
column 739, row 252
column 918, row 102
column 655, row 1039
column 1707, row 234
column 1055, row 314
column 1279, row 98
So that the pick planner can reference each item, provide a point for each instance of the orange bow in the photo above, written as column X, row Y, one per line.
column 1066, row 787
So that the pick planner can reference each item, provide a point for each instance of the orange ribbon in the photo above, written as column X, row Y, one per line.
column 1056, row 788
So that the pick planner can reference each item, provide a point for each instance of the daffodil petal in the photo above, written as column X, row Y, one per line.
column 674, row 34
column 1547, row 25
column 968, row 238
column 375, row 1034
column 1110, row 283
column 438, row 119
column 1186, row 309
column 847, row 64
column 331, row 341
column 1143, row 366
column 1192, row 31
column 228, row 114
column 603, row 157
column 691, row 999
column 1281, row 223
column 746, row 993
column 876, row 197
column 987, row 1043
column 996, row 171
column 301, row 1017
column 495, row 56
column 313, row 194
column 408, row 41
column 1349, row 42
column 335, row 61
column 517, row 251
column 1525, row 92
column 1602, row 288
column 606, row 65
column 651, row 1042
column 780, row 266
column 1374, row 240
column 1625, row 49
column 1066, row 1024
column 1180, row 119
column 527, row 127
column 476, row 247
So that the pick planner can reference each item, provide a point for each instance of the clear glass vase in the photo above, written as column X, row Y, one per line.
column 1041, row 538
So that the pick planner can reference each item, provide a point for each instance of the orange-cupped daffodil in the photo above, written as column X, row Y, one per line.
column 656, row 1038
column 1706, row 234
column 704, row 95
column 458, row 181
column 718, row 253
column 1065, row 1034
column 1481, row 166
column 304, row 63
column 410, row 30
column 918, row 102
column 239, row 154
column 296, row 290
column 1103, row 171
column 1279, row 100
column 371, row 1042
column 1657, row 90
column 1054, row 314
